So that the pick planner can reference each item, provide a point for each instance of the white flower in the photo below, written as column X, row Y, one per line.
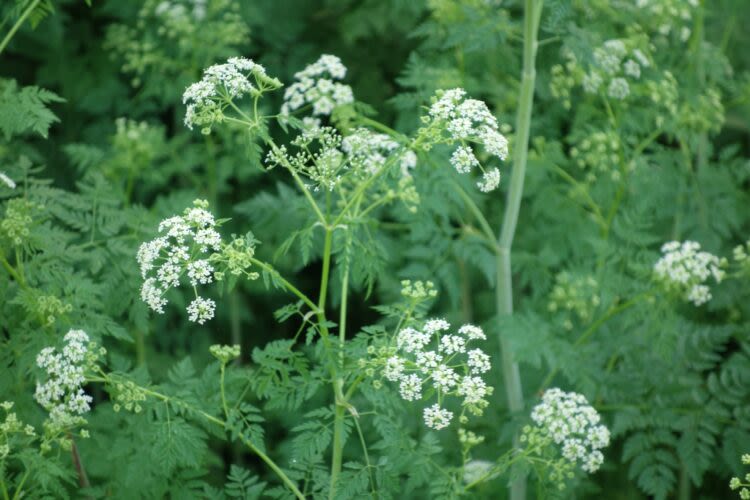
column 316, row 85
column 201, row 310
column 473, row 389
column 436, row 325
column 472, row 332
column 164, row 260
column 222, row 82
column 490, row 180
column 618, row 88
column 411, row 340
column 62, row 393
column 478, row 361
column 437, row 417
column 467, row 120
column 200, row 271
column 427, row 360
column 686, row 269
column 444, row 378
column 411, row 387
column 394, row 368
column 592, row 81
column 632, row 68
column 452, row 344
column 463, row 160
column 7, row 181
column 568, row 419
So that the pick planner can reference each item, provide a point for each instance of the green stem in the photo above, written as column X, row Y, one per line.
column 4, row 489
column 140, row 347
column 223, row 390
column 18, row 24
column 504, row 285
column 291, row 288
column 163, row 397
column 25, row 476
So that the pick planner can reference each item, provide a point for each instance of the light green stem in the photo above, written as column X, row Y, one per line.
column 504, row 286
column 18, row 24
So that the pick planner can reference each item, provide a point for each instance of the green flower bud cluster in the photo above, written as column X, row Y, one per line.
column 576, row 297
column 236, row 258
column 737, row 484
column 16, row 225
column 418, row 290
column 127, row 395
column 50, row 308
column 225, row 353
column 598, row 153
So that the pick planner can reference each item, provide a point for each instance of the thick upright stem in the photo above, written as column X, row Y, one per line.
column 504, row 287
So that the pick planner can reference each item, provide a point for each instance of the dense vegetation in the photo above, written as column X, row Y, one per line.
column 380, row 248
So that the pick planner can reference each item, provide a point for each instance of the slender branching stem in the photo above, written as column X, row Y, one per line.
column 18, row 24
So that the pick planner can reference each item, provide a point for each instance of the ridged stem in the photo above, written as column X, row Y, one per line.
column 504, row 286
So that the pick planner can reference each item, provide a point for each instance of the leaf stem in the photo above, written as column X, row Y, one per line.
column 18, row 24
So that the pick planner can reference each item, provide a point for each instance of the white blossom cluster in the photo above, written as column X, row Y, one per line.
column 182, row 251
column 614, row 65
column 670, row 16
column 316, row 85
column 369, row 151
column 7, row 180
column 207, row 99
column 573, row 425
column 446, row 362
column 62, row 394
column 684, row 268
column 177, row 11
column 455, row 120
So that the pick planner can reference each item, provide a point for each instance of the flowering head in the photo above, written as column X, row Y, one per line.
column 684, row 270
column 220, row 87
column 567, row 424
column 433, row 361
column 318, row 86
column 190, row 251
column 454, row 120
column 62, row 393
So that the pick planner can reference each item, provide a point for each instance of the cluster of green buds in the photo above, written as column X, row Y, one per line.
column 16, row 225
column 11, row 426
column 743, row 486
column 598, row 153
column 236, row 258
column 225, row 353
column 128, row 395
column 741, row 255
column 50, row 308
column 574, row 297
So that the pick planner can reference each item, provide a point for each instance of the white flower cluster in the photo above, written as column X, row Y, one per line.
column 368, row 151
column 465, row 121
column 62, row 394
column 569, row 420
column 176, row 11
column 7, row 180
column 685, row 269
column 221, row 84
column 669, row 14
column 614, row 64
column 183, row 249
column 431, row 356
column 315, row 85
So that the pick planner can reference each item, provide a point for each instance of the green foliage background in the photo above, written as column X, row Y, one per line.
column 91, row 130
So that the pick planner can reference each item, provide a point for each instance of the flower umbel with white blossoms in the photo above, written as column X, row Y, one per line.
column 432, row 359
column 616, row 66
column 684, row 269
column 188, row 250
column 221, row 85
column 566, row 420
column 317, row 86
column 62, row 394
column 455, row 120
